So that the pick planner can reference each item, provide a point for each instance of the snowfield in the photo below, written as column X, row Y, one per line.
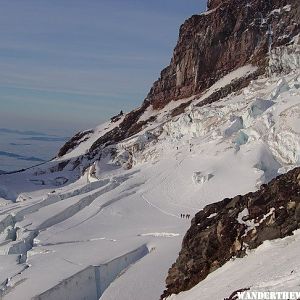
column 114, row 232
column 272, row 267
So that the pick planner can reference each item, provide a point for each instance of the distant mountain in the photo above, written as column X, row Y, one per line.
column 21, row 157
column 45, row 139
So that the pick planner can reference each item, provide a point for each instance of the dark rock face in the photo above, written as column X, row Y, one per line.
column 128, row 127
column 226, row 229
column 232, row 35
column 116, row 117
column 74, row 141
column 212, row 4
column 210, row 46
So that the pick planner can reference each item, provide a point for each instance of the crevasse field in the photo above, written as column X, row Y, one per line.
column 114, row 232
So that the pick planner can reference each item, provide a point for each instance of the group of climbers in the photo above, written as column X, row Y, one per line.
column 185, row 216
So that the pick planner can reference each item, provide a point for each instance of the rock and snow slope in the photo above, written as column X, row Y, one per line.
column 274, row 266
column 134, row 195
column 228, row 229
column 104, row 217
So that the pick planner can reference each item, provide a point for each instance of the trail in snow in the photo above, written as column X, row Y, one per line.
column 99, row 210
column 75, row 242
column 160, row 234
column 156, row 207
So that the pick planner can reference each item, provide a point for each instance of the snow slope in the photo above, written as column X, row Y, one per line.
column 274, row 266
column 122, row 217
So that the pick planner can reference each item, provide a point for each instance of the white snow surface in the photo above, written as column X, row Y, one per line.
column 274, row 266
column 56, row 240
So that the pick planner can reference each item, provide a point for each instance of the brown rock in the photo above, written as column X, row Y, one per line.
column 211, row 242
column 211, row 45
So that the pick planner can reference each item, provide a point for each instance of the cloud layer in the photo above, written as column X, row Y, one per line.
column 77, row 62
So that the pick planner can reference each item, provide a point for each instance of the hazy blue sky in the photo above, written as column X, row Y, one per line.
column 70, row 64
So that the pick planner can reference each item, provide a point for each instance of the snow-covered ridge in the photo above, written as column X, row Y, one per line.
column 244, row 119
column 137, row 191
column 154, row 130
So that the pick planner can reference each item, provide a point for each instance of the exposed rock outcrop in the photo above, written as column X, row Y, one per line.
column 74, row 141
column 226, row 229
column 229, row 35
column 212, row 4
column 232, row 34
column 128, row 127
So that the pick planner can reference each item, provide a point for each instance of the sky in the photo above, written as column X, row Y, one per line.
column 68, row 65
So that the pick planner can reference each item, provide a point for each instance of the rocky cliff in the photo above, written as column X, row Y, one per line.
column 229, row 35
column 226, row 229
